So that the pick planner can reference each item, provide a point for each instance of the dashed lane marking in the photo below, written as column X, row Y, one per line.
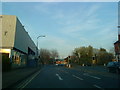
column 86, row 74
column 77, row 77
column 59, row 77
column 98, row 87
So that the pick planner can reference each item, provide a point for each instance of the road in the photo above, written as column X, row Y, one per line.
column 51, row 76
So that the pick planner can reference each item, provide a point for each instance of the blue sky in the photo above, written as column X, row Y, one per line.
column 68, row 25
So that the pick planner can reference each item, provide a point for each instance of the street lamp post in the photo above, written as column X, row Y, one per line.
column 37, row 42
column 37, row 45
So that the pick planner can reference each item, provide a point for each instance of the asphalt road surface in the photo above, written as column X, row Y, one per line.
column 51, row 76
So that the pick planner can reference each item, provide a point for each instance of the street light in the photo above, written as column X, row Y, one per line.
column 37, row 42
column 37, row 46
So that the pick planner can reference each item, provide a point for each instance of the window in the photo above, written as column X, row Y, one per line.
column 1, row 16
column 5, row 33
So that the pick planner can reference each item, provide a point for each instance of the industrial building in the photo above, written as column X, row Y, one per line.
column 16, row 42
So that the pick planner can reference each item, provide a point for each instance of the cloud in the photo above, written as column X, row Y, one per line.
column 92, row 10
column 82, row 27
column 60, row 44
column 87, row 20
column 42, row 8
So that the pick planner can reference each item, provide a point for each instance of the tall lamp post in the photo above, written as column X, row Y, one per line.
column 37, row 42
column 37, row 47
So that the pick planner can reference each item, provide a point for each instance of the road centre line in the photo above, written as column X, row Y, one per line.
column 98, row 87
column 28, row 81
column 77, row 77
column 86, row 74
column 59, row 76
column 23, row 84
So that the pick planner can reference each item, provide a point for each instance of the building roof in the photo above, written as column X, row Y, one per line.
column 117, row 42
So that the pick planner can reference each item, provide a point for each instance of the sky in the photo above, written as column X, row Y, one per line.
column 67, row 25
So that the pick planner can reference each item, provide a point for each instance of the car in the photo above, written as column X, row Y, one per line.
column 61, row 64
column 56, row 64
column 113, row 67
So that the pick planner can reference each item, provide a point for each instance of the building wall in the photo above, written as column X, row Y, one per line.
column 22, row 39
column 14, row 34
column 0, row 30
column 117, row 47
column 17, row 41
column 8, row 30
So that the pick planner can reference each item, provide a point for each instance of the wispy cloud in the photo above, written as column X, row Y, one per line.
column 60, row 44
column 87, row 20
column 80, row 27
column 92, row 10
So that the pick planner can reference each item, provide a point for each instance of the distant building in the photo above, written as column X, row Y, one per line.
column 117, row 48
column 117, row 43
column 16, row 42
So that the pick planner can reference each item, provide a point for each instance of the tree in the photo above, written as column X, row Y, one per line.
column 112, row 50
column 84, row 54
column 45, row 55
column 53, row 54
column 104, row 57
column 73, row 58
column 48, row 56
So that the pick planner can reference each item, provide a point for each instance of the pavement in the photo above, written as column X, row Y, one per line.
column 100, row 68
column 13, row 77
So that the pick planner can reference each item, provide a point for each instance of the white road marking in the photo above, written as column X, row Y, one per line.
column 77, row 77
column 86, row 74
column 98, row 87
column 28, row 81
column 59, row 77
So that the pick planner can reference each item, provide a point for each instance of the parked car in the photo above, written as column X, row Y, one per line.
column 114, row 67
